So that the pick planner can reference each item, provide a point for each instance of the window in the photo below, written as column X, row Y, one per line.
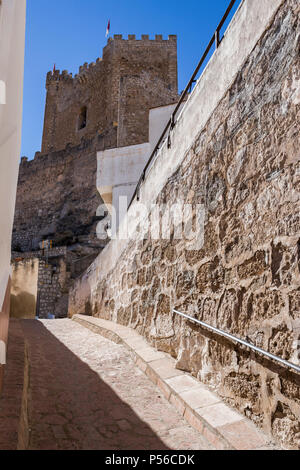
column 82, row 118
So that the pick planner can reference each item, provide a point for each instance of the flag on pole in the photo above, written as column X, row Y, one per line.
column 107, row 29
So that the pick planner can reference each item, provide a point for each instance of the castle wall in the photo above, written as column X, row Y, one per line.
column 234, row 151
column 65, row 98
column 53, row 288
column 57, row 199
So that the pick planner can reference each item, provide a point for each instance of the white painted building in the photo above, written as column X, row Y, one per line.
column 12, row 44
column 119, row 169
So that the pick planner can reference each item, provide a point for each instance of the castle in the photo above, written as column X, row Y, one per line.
column 105, row 106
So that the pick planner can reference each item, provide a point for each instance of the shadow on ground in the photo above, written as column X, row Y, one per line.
column 70, row 407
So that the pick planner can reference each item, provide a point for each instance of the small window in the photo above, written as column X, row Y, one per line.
column 82, row 118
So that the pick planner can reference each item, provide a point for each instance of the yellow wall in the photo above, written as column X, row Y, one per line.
column 24, row 289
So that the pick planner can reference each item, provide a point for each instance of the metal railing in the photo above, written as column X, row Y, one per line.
column 288, row 364
column 172, row 121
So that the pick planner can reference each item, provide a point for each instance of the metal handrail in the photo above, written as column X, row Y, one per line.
column 172, row 121
column 240, row 341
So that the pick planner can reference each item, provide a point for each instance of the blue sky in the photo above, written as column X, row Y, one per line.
column 71, row 32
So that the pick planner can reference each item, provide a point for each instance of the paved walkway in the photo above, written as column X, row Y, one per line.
column 222, row 426
column 87, row 393
column 12, row 394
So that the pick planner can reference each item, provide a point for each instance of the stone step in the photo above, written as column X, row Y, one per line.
column 223, row 427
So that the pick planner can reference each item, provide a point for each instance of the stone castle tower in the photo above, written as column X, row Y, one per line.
column 106, row 105
column 112, row 96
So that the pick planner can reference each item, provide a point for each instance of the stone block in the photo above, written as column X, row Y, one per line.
column 199, row 397
column 219, row 414
column 182, row 383
column 243, row 435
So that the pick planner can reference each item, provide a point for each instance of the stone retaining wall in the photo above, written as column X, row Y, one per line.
column 243, row 166
column 46, row 290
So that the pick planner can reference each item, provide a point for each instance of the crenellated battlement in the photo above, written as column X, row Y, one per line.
column 87, row 68
column 144, row 38
column 65, row 76
column 58, row 76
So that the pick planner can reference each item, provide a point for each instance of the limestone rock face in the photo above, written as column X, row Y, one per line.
column 57, row 200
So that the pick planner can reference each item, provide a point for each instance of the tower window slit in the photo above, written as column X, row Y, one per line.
column 82, row 118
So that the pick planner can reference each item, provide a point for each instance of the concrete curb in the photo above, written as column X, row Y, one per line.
column 223, row 427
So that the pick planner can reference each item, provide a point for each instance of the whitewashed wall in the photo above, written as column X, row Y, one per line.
column 12, row 40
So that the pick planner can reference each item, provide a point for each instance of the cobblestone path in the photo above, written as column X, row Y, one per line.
column 87, row 393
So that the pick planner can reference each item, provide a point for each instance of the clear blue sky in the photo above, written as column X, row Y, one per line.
column 71, row 32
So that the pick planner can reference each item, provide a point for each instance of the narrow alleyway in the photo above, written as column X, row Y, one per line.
column 86, row 393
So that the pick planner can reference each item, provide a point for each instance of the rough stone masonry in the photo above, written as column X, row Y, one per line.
column 244, row 166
